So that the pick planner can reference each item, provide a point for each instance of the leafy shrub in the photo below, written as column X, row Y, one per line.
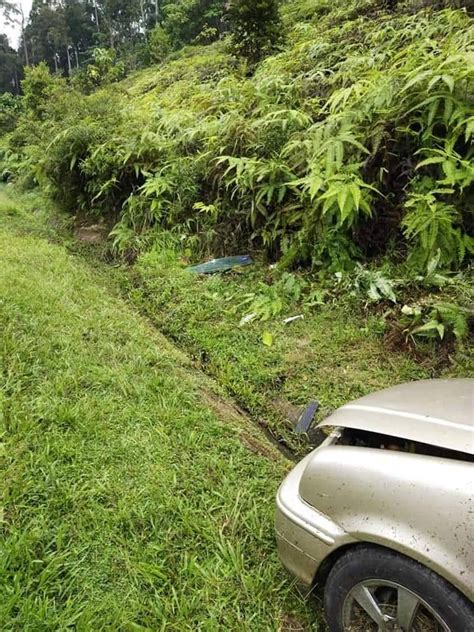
column 374, row 284
column 10, row 110
column 105, row 68
column 271, row 300
column 39, row 87
column 435, row 321
column 434, row 226
column 159, row 43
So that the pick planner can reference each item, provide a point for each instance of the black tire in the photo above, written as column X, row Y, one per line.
column 368, row 562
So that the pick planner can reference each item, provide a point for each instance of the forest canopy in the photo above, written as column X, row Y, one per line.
column 62, row 33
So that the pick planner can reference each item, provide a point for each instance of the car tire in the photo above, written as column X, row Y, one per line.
column 367, row 563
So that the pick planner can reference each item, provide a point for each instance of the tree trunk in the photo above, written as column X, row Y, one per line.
column 69, row 67
column 96, row 12
column 25, row 47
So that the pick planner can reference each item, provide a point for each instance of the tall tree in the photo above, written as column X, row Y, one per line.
column 81, row 26
column 14, row 14
column 255, row 27
column 10, row 67
column 185, row 20
column 122, row 18
column 47, row 34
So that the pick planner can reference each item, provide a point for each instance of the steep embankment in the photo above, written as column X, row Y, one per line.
column 352, row 142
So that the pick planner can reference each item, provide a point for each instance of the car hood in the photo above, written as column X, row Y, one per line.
column 436, row 412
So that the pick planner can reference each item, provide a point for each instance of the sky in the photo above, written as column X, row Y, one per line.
column 13, row 31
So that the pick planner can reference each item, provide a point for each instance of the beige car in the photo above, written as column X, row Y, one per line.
column 382, row 513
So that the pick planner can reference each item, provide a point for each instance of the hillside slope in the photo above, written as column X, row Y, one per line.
column 353, row 142
column 346, row 159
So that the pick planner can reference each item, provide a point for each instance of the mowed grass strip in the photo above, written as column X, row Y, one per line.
column 127, row 504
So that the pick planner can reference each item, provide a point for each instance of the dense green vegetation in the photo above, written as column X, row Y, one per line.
column 232, row 326
column 354, row 141
column 134, row 497
column 64, row 34
column 332, row 140
column 351, row 145
column 344, row 156
column 337, row 352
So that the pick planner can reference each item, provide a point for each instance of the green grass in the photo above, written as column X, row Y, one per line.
column 338, row 352
column 129, row 503
column 32, row 213
column 135, row 496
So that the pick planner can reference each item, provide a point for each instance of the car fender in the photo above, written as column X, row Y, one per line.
column 414, row 504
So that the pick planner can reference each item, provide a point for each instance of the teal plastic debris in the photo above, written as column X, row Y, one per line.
column 221, row 265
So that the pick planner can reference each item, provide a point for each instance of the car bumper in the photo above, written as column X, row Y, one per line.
column 305, row 537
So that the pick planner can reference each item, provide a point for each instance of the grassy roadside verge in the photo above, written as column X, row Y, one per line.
column 337, row 352
column 128, row 503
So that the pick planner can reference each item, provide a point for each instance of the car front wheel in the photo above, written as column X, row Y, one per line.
column 372, row 589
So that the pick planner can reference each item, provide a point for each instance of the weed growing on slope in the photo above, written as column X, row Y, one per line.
column 354, row 332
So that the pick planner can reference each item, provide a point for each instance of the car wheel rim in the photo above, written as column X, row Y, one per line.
column 382, row 606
